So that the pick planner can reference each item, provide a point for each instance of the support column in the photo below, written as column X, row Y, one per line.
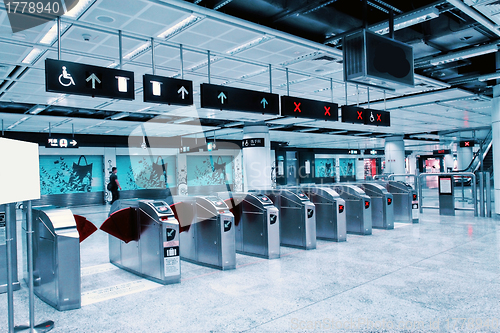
column 495, row 126
column 256, row 160
column 464, row 157
column 395, row 155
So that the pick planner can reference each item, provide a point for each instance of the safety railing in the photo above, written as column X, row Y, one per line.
column 453, row 175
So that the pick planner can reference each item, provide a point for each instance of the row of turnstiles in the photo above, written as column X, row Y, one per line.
column 150, row 237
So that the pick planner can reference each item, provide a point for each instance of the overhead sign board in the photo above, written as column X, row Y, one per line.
column 308, row 108
column 357, row 115
column 235, row 99
column 61, row 142
column 254, row 142
column 441, row 151
column 79, row 79
column 160, row 89
column 468, row 143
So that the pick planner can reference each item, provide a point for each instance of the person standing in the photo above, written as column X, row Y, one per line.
column 115, row 185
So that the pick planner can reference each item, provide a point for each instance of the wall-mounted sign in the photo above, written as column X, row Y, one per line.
column 61, row 142
column 307, row 108
column 441, row 151
column 357, row 115
column 468, row 143
column 227, row 98
column 74, row 78
column 248, row 143
column 160, row 89
column 373, row 152
column 353, row 152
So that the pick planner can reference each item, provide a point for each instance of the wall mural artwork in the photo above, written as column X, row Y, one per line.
column 145, row 172
column 325, row 167
column 347, row 167
column 70, row 174
column 204, row 171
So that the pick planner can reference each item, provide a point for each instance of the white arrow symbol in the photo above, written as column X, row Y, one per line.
column 264, row 102
column 73, row 143
column 94, row 78
column 183, row 92
column 222, row 96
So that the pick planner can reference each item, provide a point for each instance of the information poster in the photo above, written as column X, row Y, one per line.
column 324, row 167
column 445, row 185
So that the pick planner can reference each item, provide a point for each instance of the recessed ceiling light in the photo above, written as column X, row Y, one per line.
column 105, row 19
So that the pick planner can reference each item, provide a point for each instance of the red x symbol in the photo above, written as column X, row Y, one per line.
column 360, row 114
column 378, row 117
column 466, row 144
column 327, row 111
column 297, row 107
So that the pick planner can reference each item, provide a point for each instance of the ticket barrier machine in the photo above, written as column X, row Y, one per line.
column 151, row 248
column 330, row 213
column 358, row 209
column 56, row 257
column 297, row 217
column 256, row 222
column 405, row 201
column 382, row 207
column 3, row 247
column 207, row 233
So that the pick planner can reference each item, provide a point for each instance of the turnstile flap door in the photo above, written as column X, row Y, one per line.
column 184, row 213
column 85, row 227
column 122, row 224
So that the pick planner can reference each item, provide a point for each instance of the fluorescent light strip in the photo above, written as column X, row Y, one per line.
column 138, row 51
column 51, row 36
column 20, row 121
column 34, row 54
column 182, row 25
column 302, row 58
column 120, row 116
column 406, row 20
column 460, row 55
column 250, row 44
column 79, row 9
column 203, row 63
column 36, row 109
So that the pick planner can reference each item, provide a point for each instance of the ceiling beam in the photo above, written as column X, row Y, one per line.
column 301, row 10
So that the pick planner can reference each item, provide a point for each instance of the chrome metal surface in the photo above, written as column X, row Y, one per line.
column 381, row 205
column 358, row 212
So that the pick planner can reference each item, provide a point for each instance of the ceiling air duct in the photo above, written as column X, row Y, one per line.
column 373, row 60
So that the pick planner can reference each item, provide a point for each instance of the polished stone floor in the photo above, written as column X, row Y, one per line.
column 439, row 275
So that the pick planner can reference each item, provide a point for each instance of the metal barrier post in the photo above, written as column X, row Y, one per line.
column 481, row 194
column 420, row 195
column 488, row 194
column 463, row 189
column 9, row 237
column 474, row 193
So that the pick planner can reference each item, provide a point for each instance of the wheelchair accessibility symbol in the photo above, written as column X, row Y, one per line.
column 65, row 79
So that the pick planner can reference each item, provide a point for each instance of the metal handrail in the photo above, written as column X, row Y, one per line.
column 454, row 174
column 392, row 176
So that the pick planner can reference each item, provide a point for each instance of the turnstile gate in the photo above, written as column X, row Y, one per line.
column 207, row 234
column 297, row 217
column 56, row 257
column 358, row 209
column 257, row 227
column 330, row 213
column 3, row 247
column 151, row 246
column 382, row 207
column 405, row 201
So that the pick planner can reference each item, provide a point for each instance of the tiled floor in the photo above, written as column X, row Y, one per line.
column 440, row 275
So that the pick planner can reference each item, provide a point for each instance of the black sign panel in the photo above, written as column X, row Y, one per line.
column 357, row 115
column 227, row 98
column 160, row 89
column 74, row 78
column 441, row 151
column 468, row 143
column 248, row 143
column 61, row 142
column 308, row 108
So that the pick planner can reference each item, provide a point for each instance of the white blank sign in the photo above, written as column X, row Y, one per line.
column 19, row 171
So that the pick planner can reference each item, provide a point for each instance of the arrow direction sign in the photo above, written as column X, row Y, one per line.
column 235, row 99
column 264, row 103
column 222, row 96
column 94, row 78
column 183, row 92
column 172, row 92
column 73, row 143
column 61, row 142
column 308, row 108
column 79, row 79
